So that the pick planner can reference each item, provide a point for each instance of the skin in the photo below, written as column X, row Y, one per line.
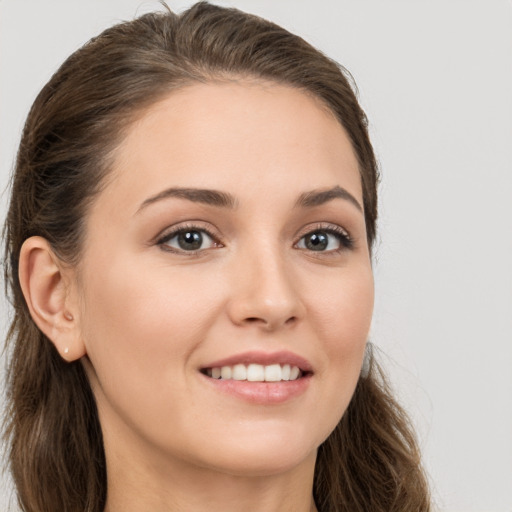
column 145, row 316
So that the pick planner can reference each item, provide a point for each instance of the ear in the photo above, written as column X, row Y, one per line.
column 47, row 286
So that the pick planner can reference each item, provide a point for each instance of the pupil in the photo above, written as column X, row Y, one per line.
column 317, row 241
column 190, row 240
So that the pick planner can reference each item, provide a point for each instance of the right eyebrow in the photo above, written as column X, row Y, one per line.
column 196, row 195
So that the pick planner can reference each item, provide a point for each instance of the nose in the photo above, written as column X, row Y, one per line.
column 264, row 292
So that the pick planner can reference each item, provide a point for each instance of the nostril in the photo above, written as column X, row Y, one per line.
column 291, row 320
column 269, row 324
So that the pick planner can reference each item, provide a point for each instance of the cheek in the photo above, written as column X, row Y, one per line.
column 344, row 311
column 342, row 319
column 142, row 323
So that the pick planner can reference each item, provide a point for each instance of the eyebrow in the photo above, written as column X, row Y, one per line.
column 224, row 200
column 322, row 196
column 196, row 195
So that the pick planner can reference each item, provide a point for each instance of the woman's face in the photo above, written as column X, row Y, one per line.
column 230, row 240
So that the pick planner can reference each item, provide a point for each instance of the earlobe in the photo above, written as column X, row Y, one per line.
column 47, row 295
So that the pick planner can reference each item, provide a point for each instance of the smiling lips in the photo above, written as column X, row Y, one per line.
column 259, row 377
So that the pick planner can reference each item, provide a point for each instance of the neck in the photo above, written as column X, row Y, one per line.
column 141, row 477
column 185, row 488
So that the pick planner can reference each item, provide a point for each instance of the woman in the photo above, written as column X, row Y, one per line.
column 188, row 247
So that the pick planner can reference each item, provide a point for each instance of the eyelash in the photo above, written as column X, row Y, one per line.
column 345, row 240
column 164, row 239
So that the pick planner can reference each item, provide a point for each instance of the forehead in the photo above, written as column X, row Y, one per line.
column 252, row 135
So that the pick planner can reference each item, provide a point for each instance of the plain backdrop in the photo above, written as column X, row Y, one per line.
column 435, row 77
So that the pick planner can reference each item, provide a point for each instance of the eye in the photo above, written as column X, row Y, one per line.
column 326, row 240
column 188, row 239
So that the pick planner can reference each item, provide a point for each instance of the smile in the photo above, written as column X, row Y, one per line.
column 255, row 372
column 260, row 377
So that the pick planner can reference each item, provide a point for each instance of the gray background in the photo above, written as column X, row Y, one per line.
column 435, row 77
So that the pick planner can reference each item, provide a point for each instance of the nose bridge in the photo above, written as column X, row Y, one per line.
column 265, row 291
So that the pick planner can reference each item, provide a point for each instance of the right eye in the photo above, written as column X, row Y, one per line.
column 188, row 239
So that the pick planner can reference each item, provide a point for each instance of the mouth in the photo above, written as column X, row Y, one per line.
column 255, row 366
column 256, row 372
column 260, row 377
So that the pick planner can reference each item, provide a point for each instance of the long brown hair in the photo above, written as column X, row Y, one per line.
column 371, row 461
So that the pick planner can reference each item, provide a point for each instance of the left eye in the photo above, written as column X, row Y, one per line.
column 188, row 240
column 323, row 240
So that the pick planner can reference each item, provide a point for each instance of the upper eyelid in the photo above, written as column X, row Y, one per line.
column 345, row 238
column 172, row 231
column 324, row 226
column 162, row 241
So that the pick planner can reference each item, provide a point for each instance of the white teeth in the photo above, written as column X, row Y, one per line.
column 255, row 372
column 294, row 373
column 273, row 373
column 239, row 372
column 225, row 372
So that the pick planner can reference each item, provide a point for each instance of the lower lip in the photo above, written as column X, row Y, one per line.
column 264, row 393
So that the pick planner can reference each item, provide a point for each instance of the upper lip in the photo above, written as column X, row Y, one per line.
column 263, row 358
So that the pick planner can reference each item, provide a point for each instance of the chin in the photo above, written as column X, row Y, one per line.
column 263, row 464
column 259, row 454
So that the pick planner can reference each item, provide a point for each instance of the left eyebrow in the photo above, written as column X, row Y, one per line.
column 322, row 196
